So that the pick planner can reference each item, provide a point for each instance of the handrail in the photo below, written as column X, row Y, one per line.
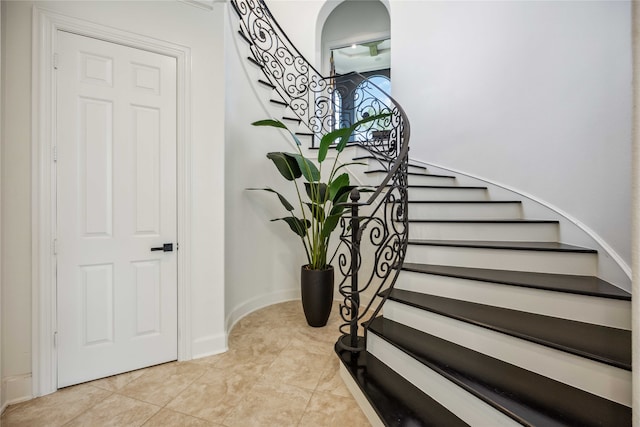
column 324, row 104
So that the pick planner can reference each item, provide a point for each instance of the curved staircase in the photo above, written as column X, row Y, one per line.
column 492, row 321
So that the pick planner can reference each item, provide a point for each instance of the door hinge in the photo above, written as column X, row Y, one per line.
column 55, row 246
column 55, row 153
column 55, row 340
column 55, row 61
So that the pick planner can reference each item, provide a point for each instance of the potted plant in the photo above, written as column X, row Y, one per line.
column 319, row 208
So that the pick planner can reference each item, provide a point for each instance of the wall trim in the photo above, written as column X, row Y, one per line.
column 257, row 303
column 209, row 345
column 15, row 389
column 45, row 25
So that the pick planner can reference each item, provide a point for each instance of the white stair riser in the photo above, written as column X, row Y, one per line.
column 584, row 264
column 581, row 308
column 453, row 193
column 461, row 403
column 465, row 211
column 377, row 177
column 359, row 151
column 511, row 232
column 376, row 165
column 597, row 378
column 360, row 398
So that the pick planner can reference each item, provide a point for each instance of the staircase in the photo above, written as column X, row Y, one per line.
column 492, row 322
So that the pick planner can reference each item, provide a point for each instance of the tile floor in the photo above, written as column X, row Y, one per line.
column 278, row 372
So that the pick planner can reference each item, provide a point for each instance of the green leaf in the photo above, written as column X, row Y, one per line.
column 297, row 225
column 329, row 138
column 271, row 123
column 342, row 195
column 286, row 164
column 277, row 124
column 283, row 200
column 338, row 183
column 316, row 211
column 307, row 167
column 344, row 165
column 329, row 225
column 316, row 191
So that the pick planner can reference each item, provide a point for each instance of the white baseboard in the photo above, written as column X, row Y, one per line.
column 257, row 303
column 16, row 389
column 209, row 345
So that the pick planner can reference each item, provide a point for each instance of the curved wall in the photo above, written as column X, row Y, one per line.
column 532, row 95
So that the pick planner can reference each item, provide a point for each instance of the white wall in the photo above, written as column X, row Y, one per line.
column 635, row 197
column 2, row 395
column 532, row 95
column 263, row 258
column 202, row 31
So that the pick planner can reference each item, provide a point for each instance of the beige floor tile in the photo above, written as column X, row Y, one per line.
column 267, row 404
column 296, row 367
column 213, row 395
column 167, row 418
column 275, row 364
column 116, row 411
column 247, row 361
column 160, row 384
column 117, row 382
column 259, row 339
column 54, row 409
column 328, row 410
column 331, row 381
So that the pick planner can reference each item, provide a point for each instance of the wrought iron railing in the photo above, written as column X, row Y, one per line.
column 374, row 233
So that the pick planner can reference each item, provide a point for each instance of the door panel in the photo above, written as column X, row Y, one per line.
column 116, row 199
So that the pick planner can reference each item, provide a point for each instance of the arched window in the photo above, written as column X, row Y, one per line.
column 371, row 97
column 337, row 109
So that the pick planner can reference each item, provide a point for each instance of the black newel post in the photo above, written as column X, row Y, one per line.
column 355, row 255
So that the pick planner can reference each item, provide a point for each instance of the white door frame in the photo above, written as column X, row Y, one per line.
column 43, row 192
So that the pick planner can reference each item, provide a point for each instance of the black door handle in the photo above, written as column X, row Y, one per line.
column 167, row 247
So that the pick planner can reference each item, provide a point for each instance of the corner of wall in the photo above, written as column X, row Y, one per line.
column 16, row 389
column 257, row 303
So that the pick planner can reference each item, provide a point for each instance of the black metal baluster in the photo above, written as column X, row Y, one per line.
column 355, row 255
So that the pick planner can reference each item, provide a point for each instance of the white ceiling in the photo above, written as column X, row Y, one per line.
column 359, row 58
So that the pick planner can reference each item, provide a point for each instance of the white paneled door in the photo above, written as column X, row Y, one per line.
column 116, row 201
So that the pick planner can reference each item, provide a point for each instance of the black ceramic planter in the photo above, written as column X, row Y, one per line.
column 317, row 295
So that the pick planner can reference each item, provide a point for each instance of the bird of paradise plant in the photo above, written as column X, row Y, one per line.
column 319, row 216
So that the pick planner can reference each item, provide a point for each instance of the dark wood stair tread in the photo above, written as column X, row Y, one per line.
column 600, row 343
column 484, row 221
column 293, row 119
column 448, row 187
column 521, row 246
column 527, row 397
column 582, row 285
column 275, row 101
column 396, row 401
column 473, row 202
column 386, row 160
column 266, row 83
column 413, row 174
